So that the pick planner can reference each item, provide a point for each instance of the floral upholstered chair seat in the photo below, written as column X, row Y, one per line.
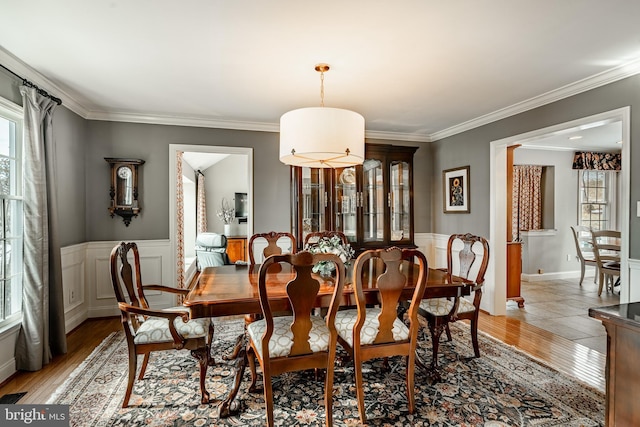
column 443, row 306
column 156, row 329
column 346, row 320
column 282, row 339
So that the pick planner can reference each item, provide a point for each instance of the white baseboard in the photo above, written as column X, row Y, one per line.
column 105, row 311
column 7, row 369
column 555, row 276
column 8, row 341
column 72, row 322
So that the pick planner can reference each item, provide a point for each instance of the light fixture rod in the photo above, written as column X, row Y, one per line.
column 322, row 68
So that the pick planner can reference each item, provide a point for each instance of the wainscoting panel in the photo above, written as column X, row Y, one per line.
column 155, row 263
column 74, row 285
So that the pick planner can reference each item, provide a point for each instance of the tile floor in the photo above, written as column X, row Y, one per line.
column 562, row 307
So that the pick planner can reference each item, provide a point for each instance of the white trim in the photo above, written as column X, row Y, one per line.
column 397, row 136
column 205, row 122
column 634, row 277
column 592, row 82
column 538, row 233
column 25, row 71
column 498, row 191
column 15, row 110
column 173, row 149
column 561, row 275
column 90, row 113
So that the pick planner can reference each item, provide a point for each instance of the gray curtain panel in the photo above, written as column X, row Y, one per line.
column 43, row 332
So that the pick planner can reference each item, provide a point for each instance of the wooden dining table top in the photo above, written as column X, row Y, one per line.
column 233, row 289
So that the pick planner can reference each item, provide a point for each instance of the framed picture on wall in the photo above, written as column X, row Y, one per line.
column 455, row 190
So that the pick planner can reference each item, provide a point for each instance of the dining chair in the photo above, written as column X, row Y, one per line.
column 376, row 332
column 148, row 329
column 299, row 341
column 272, row 247
column 584, row 249
column 315, row 236
column 606, row 248
column 439, row 312
column 211, row 250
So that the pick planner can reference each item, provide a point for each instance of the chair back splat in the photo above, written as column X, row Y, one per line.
column 440, row 311
column 272, row 247
column 606, row 248
column 584, row 248
column 376, row 332
column 148, row 329
column 299, row 341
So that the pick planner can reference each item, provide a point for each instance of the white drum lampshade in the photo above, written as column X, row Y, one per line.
column 321, row 137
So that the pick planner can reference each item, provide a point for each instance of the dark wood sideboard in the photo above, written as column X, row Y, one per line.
column 237, row 248
column 622, row 323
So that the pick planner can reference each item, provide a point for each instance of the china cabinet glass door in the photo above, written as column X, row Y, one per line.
column 370, row 203
column 346, row 203
column 314, row 200
column 373, row 201
column 399, row 201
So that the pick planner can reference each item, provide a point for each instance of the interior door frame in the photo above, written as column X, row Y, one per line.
column 173, row 149
column 497, row 269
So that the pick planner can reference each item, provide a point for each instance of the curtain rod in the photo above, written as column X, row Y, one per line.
column 31, row 84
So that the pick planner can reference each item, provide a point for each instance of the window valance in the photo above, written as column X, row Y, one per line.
column 597, row 161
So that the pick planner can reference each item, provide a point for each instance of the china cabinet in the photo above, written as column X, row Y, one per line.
column 372, row 203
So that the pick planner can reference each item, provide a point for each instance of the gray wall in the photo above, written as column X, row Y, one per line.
column 85, row 217
column 151, row 143
column 271, row 190
column 70, row 134
column 472, row 148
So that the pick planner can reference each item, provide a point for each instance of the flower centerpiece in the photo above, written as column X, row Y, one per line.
column 330, row 245
column 227, row 215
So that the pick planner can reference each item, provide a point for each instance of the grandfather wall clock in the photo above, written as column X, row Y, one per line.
column 124, row 188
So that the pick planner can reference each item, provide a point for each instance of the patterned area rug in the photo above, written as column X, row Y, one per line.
column 502, row 388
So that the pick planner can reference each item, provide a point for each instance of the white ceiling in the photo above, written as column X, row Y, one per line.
column 416, row 70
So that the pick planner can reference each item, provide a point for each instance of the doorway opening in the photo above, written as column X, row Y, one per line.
column 203, row 158
column 496, row 272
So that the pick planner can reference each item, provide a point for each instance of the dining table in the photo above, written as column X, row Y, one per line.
column 231, row 290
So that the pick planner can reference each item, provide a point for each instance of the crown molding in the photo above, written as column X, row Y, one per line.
column 601, row 79
column 227, row 124
column 26, row 72
column 609, row 76
column 397, row 136
column 182, row 121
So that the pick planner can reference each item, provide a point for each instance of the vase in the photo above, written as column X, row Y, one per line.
column 227, row 230
column 326, row 274
column 348, row 277
column 325, row 269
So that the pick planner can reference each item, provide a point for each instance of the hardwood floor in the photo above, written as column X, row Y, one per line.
column 80, row 343
column 561, row 353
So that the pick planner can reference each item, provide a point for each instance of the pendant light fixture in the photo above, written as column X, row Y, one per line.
column 321, row 137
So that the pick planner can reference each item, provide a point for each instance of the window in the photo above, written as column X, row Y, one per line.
column 597, row 199
column 11, row 214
